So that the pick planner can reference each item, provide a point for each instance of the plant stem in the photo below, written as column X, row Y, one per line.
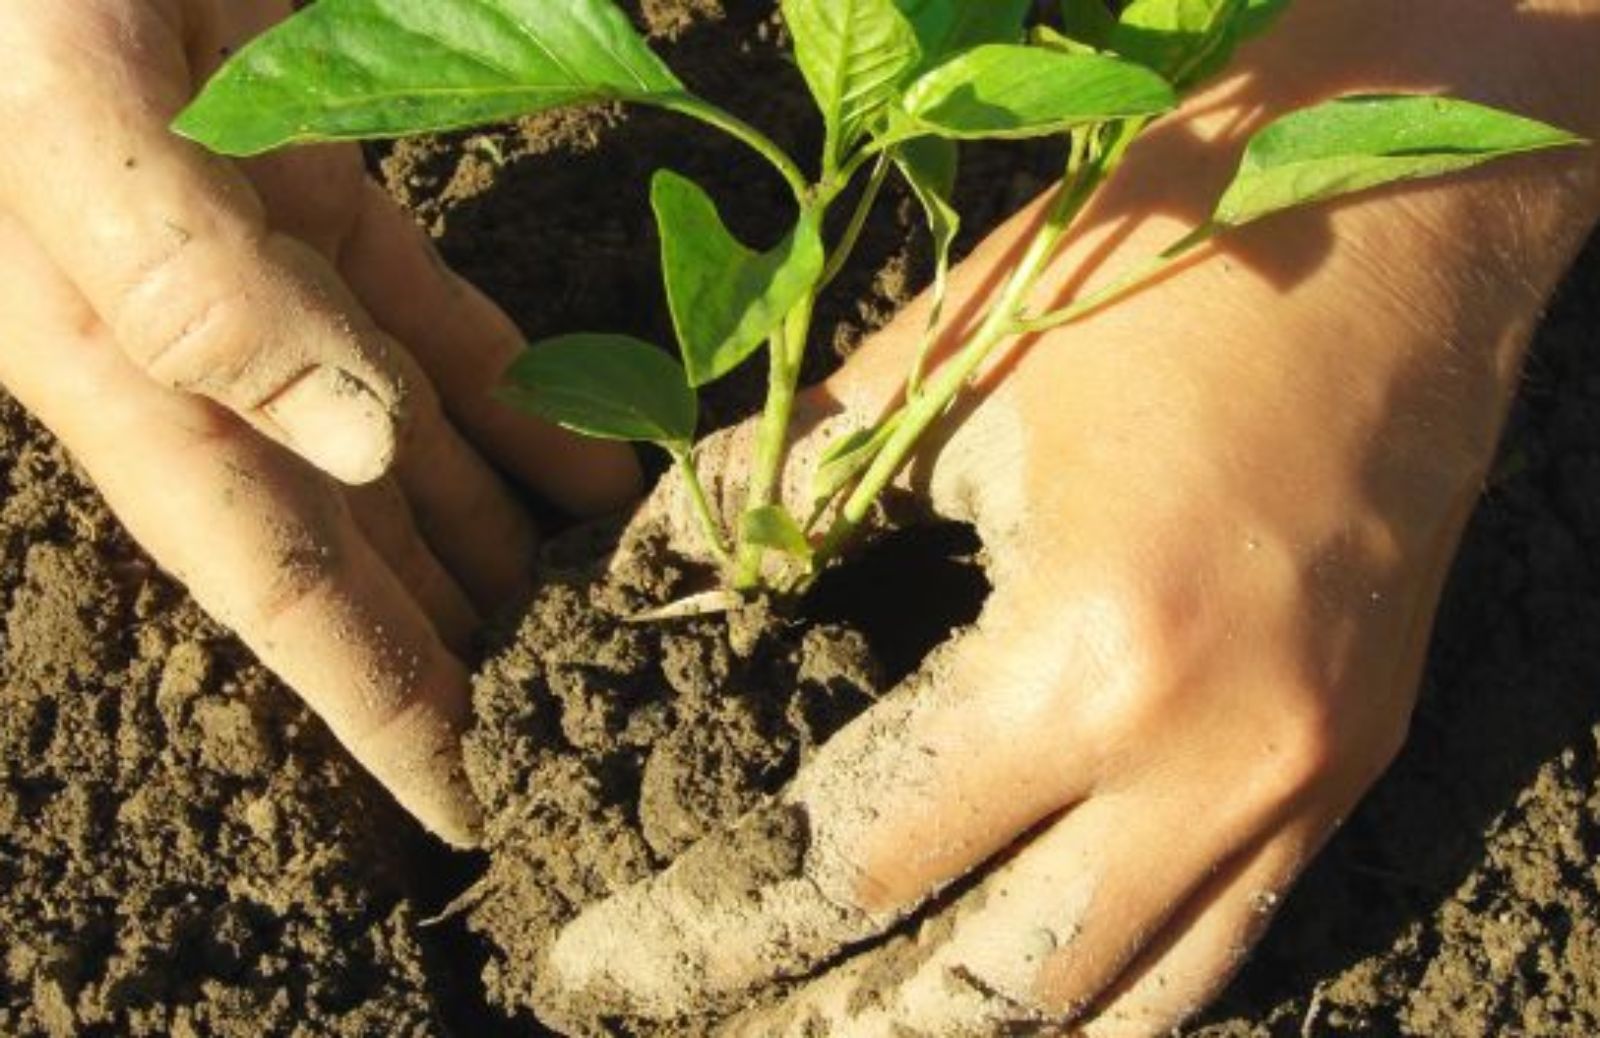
column 1124, row 285
column 737, row 128
column 1085, row 173
column 683, row 455
column 786, row 353
column 858, row 221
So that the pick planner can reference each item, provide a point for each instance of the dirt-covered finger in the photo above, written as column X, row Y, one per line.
column 723, row 463
column 265, row 543
column 885, row 815
column 1193, row 959
column 465, row 343
column 384, row 517
column 1035, row 943
column 466, row 512
column 171, row 247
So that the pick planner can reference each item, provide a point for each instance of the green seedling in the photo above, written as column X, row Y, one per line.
column 900, row 84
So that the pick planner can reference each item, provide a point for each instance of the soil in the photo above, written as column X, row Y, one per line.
column 605, row 747
column 184, row 850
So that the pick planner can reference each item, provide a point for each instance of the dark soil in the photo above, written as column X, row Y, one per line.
column 183, row 850
column 604, row 748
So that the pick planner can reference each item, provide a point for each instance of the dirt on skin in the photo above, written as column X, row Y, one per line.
column 183, row 850
column 606, row 746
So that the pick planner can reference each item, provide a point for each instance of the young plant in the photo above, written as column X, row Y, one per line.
column 900, row 84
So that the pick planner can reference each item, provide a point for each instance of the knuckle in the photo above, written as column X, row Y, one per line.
column 1132, row 638
column 303, row 573
column 294, row 569
column 185, row 325
column 1320, row 736
column 1306, row 745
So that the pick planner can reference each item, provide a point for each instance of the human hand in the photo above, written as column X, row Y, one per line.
column 271, row 378
column 1218, row 517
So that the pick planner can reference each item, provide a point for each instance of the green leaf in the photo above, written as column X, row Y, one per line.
column 725, row 298
column 608, row 386
column 847, row 458
column 1002, row 90
column 1088, row 21
column 945, row 28
column 1361, row 142
column 1184, row 40
column 855, row 55
column 770, row 526
column 351, row 69
column 929, row 165
column 1053, row 39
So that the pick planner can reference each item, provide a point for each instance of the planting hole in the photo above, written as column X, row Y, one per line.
column 907, row 592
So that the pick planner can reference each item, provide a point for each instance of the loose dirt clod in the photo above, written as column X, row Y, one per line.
column 604, row 748
column 183, row 849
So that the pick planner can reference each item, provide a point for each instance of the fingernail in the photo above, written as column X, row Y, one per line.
column 455, row 816
column 337, row 422
column 422, row 767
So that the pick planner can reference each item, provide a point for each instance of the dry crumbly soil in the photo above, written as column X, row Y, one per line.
column 183, row 850
column 604, row 748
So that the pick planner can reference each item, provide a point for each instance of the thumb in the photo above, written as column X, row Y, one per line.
column 724, row 462
column 172, row 248
column 952, row 475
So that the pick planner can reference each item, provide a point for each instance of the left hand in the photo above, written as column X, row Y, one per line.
column 1219, row 517
column 278, row 387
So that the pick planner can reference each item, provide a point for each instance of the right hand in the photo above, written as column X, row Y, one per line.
column 278, row 387
column 1217, row 518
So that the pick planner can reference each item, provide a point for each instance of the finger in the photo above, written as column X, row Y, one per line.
column 384, row 518
column 1206, row 944
column 171, row 248
column 725, row 459
column 264, row 543
column 963, row 471
column 895, row 807
column 465, row 343
column 465, row 511
column 1055, row 930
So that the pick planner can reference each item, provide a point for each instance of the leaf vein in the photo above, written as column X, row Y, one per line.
column 454, row 49
column 527, row 33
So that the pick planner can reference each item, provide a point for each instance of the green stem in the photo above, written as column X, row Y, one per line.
column 737, row 128
column 1124, row 285
column 772, row 434
column 1085, row 173
column 683, row 455
column 858, row 221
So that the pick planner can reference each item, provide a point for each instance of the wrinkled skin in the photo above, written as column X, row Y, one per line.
column 278, row 387
column 1219, row 516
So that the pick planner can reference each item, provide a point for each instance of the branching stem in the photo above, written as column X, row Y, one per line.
column 786, row 353
column 1087, row 168
column 684, row 457
column 858, row 222
column 737, row 128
